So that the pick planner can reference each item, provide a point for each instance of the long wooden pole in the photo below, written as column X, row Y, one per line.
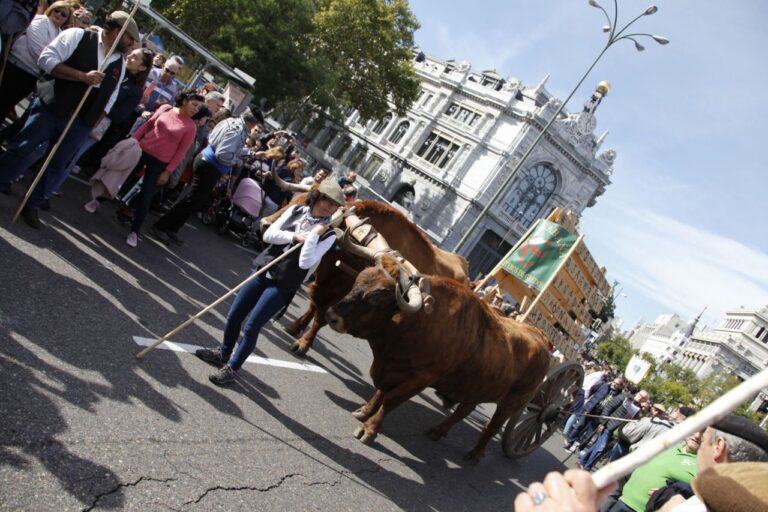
column 215, row 303
column 696, row 423
column 72, row 118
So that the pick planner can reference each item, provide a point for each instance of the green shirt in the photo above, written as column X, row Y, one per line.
column 673, row 464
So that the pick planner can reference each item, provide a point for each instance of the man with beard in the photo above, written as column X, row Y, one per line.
column 73, row 59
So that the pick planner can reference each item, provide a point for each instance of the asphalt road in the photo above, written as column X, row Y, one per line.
column 84, row 425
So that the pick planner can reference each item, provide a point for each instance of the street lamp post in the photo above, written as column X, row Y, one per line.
column 614, row 36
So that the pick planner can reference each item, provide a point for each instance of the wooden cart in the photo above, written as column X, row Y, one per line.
column 560, row 295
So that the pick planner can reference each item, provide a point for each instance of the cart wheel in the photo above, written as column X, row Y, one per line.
column 541, row 416
column 209, row 217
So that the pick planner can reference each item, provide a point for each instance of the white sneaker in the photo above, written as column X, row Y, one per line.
column 132, row 240
column 92, row 206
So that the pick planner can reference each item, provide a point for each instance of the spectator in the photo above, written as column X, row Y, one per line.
column 605, row 393
column 348, row 179
column 317, row 178
column 731, row 439
column 22, row 71
column 621, row 407
column 123, row 114
column 592, row 383
column 165, row 139
column 71, row 58
column 159, row 61
column 349, row 193
column 226, row 145
column 161, row 87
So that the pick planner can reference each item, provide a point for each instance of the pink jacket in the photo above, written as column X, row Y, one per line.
column 117, row 164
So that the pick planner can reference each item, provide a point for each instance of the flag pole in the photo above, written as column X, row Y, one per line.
column 72, row 118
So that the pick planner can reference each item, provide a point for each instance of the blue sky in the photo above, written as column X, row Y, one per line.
column 685, row 223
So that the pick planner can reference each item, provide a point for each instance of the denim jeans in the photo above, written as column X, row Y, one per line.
column 259, row 300
column 569, row 424
column 42, row 126
column 204, row 180
column 593, row 454
column 618, row 451
column 149, row 188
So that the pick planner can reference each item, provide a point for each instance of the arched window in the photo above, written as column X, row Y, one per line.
column 530, row 193
column 397, row 135
column 379, row 126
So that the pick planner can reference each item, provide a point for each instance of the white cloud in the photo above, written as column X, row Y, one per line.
column 676, row 266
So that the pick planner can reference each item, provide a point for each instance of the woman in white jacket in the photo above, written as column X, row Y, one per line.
column 267, row 294
column 21, row 71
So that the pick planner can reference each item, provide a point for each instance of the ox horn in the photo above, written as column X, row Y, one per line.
column 290, row 187
column 414, row 301
column 353, row 248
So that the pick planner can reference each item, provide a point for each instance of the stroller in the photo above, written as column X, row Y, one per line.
column 240, row 214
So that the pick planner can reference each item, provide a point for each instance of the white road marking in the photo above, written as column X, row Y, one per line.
column 185, row 347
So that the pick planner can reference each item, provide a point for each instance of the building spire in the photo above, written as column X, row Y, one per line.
column 694, row 322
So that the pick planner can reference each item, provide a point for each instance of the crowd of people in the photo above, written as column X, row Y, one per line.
column 141, row 136
column 722, row 468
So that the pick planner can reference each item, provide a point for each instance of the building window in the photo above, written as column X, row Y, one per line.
column 487, row 253
column 462, row 114
column 356, row 157
column 530, row 193
column 372, row 166
column 341, row 147
column 438, row 150
column 379, row 126
column 427, row 99
column 329, row 136
column 399, row 132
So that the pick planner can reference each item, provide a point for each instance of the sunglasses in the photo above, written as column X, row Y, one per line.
column 64, row 13
column 172, row 73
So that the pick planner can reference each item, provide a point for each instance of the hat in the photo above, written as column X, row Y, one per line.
column 330, row 189
column 659, row 407
column 120, row 18
column 733, row 487
column 743, row 428
column 687, row 411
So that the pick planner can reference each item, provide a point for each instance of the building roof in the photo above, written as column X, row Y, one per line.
column 191, row 43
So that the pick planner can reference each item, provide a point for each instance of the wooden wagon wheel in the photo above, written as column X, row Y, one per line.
column 538, row 421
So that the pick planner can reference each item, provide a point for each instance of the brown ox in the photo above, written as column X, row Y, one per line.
column 331, row 283
column 463, row 349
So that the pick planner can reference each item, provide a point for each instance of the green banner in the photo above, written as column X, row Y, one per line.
column 540, row 255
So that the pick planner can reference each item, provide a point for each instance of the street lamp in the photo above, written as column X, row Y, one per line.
column 614, row 36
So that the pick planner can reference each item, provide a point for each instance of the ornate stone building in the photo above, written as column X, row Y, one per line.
column 738, row 346
column 443, row 160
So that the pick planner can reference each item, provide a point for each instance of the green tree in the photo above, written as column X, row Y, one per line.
column 616, row 351
column 324, row 55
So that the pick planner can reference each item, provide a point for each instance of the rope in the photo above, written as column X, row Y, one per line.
column 599, row 416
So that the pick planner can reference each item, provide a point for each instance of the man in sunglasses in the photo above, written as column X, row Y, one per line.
column 76, row 59
column 161, row 86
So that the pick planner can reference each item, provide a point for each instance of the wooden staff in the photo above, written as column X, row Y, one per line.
column 51, row 153
column 218, row 301
column 696, row 423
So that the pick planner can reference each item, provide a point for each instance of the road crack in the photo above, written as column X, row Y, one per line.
column 242, row 488
column 124, row 485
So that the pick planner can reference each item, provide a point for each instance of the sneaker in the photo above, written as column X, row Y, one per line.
column 212, row 356
column 174, row 238
column 159, row 234
column 567, row 444
column 574, row 448
column 133, row 239
column 29, row 215
column 92, row 206
column 225, row 375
